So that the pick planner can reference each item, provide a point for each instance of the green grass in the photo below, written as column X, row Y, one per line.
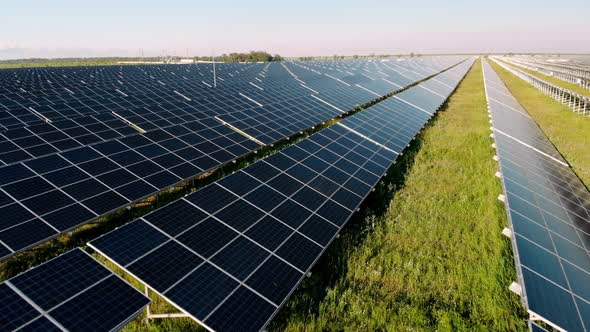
column 557, row 81
column 568, row 131
column 70, row 62
column 73, row 62
column 434, row 259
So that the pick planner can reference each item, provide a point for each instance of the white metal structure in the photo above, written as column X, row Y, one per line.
column 576, row 102
column 569, row 72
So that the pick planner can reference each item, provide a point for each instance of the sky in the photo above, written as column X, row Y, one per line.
column 86, row 28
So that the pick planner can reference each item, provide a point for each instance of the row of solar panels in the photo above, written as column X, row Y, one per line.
column 73, row 292
column 549, row 211
column 71, row 96
column 103, row 116
column 152, row 109
column 230, row 254
column 28, row 139
column 48, row 195
column 158, row 112
column 578, row 66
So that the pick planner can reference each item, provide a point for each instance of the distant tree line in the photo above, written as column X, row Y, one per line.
column 252, row 56
column 356, row 56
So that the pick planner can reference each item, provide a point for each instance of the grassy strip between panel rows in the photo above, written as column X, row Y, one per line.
column 568, row 131
column 557, row 81
column 434, row 259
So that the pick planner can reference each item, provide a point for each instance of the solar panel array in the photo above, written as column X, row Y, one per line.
column 549, row 210
column 70, row 292
column 79, row 143
column 230, row 254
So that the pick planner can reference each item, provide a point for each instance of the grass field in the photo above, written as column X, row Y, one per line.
column 559, row 82
column 11, row 64
column 434, row 259
column 67, row 62
column 569, row 132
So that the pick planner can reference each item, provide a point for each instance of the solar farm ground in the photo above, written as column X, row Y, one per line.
column 426, row 250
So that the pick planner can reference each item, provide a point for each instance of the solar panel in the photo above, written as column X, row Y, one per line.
column 109, row 136
column 246, row 241
column 549, row 213
column 69, row 292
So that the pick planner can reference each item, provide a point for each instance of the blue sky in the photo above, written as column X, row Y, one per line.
column 62, row 28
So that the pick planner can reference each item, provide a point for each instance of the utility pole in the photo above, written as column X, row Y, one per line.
column 214, row 76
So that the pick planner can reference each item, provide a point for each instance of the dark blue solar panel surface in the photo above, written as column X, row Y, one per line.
column 68, row 154
column 254, row 234
column 73, row 292
column 549, row 210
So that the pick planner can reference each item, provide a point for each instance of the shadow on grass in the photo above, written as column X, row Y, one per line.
column 332, row 266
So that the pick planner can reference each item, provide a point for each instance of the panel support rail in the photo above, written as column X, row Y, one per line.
column 131, row 124
column 149, row 315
